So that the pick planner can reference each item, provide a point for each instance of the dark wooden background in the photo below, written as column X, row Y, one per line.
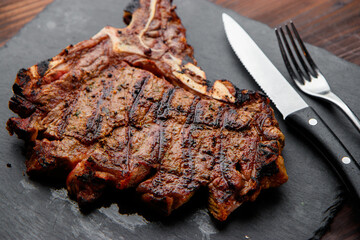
column 330, row 24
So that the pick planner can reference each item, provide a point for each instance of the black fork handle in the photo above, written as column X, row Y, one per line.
column 311, row 126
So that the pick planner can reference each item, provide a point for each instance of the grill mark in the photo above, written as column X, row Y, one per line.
column 157, row 108
column 224, row 165
column 94, row 123
column 127, row 149
column 218, row 157
column 223, row 162
column 161, row 142
column 199, row 111
column 65, row 117
column 164, row 107
column 161, row 116
column 21, row 106
column 136, row 95
column 191, row 115
column 131, row 111
column 266, row 167
column 274, row 150
column 188, row 162
column 188, row 159
column 233, row 125
column 156, row 104
column 187, row 126
column 154, row 153
column 138, row 86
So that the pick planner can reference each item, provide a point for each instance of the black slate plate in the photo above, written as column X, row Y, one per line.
column 33, row 209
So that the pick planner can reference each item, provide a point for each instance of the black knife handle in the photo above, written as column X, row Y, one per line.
column 311, row 126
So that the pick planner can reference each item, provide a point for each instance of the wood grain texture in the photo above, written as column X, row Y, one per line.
column 330, row 24
column 345, row 225
column 14, row 14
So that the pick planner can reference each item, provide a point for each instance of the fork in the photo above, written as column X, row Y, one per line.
column 308, row 77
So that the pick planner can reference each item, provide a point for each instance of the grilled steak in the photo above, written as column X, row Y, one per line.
column 130, row 108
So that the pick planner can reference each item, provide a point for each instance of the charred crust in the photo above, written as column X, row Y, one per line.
column 17, row 90
column 208, row 84
column 39, row 82
column 21, row 106
column 87, row 177
column 268, row 170
column 182, row 71
column 90, row 160
column 42, row 67
column 64, row 52
column 261, row 94
column 20, row 127
column 267, row 156
column 129, row 10
column 180, row 109
column 46, row 163
column 266, row 153
column 148, row 52
column 242, row 96
column 232, row 125
column 10, row 126
column 22, row 77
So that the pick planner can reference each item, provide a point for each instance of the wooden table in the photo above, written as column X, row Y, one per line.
column 330, row 24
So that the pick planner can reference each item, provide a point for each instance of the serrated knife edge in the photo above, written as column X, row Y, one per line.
column 283, row 95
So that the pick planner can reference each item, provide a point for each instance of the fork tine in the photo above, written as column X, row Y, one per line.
column 304, row 49
column 300, row 79
column 298, row 54
column 284, row 56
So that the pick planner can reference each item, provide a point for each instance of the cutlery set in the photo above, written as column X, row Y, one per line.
column 295, row 111
column 309, row 80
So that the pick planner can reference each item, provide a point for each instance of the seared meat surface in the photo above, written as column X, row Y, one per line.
column 130, row 108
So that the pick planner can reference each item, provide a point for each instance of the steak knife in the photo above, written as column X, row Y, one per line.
column 295, row 111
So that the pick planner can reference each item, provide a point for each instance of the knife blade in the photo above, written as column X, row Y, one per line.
column 296, row 112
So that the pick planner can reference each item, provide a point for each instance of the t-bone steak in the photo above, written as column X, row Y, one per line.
column 129, row 108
